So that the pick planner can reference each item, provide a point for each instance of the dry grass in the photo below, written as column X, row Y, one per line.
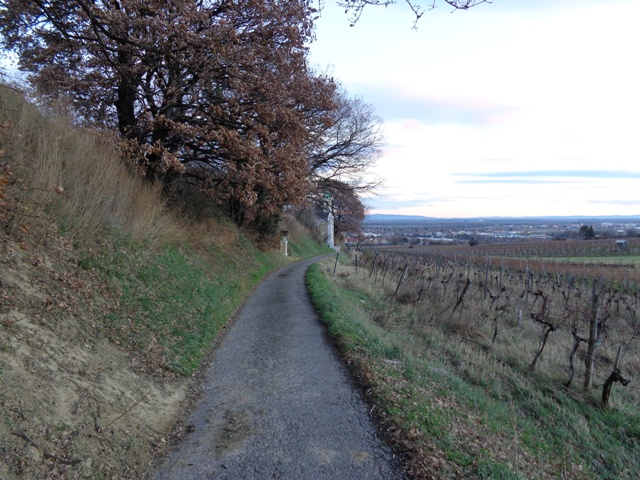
column 47, row 165
column 492, row 324
column 220, row 233
column 295, row 229
column 79, row 174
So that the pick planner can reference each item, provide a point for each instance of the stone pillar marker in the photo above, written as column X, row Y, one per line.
column 330, row 239
column 330, row 220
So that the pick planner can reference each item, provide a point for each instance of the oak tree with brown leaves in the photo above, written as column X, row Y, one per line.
column 342, row 200
column 218, row 91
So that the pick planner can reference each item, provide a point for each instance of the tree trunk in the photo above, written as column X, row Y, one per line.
column 126, row 98
column 543, row 343
column 461, row 298
column 373, row 264
column 576, row 345
column 614, row 376
column 592, row 342
column 486, row 280
column 495, row 330
column 401, row 278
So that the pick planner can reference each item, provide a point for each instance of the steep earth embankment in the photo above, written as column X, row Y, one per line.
column 108, row 301
column 73, row 403
column 97, row 349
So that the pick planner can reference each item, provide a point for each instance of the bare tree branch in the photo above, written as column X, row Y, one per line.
column 356, row 7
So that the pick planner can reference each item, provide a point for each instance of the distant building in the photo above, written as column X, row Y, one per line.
column 622, row 245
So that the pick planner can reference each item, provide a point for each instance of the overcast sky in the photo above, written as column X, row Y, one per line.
column 515, row 108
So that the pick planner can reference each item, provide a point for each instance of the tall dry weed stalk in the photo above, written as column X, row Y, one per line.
column 217, row 232
column 296, row 230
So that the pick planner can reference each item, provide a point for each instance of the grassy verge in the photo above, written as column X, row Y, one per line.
column 306, row 247
column 172, row 303
column 456, row 409
column 609, row 259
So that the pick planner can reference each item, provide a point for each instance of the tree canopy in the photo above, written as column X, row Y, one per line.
column 586, row 232
column 345, row 205
column 215, row 91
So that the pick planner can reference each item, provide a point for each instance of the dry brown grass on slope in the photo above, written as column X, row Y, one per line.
column 78, row 173
column 62, row 382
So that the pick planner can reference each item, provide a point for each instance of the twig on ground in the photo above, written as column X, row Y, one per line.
column 125, row 412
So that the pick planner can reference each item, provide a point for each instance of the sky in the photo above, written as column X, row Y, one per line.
column 514, row 108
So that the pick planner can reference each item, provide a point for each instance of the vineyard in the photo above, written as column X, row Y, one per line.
column 585, row 259
column 565, row 310
column 496, row 361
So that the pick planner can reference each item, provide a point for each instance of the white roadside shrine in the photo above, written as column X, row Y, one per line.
column 330, row 222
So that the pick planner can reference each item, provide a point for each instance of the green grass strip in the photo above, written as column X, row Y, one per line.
column 172, row 303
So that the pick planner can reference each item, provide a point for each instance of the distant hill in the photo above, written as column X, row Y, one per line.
column 383, row 218
column 387, row 219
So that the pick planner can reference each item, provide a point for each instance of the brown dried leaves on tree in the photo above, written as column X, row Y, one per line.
column 216, row 91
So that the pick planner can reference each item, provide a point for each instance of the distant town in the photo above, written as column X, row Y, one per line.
column 413, row 230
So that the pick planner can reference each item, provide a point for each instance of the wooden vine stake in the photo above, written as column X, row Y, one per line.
column 592, row 341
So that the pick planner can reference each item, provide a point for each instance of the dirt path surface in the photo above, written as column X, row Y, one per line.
column 278, row 402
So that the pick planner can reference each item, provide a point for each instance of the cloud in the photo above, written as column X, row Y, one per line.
column 391, row 201
column 393, row 102
column 528, row 181
column 626, row 202
column 546, row 176
column 498, row 160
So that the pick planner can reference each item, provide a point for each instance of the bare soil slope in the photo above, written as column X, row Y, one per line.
column 72, row 405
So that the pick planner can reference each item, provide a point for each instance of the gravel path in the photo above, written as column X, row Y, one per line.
column 278, row 402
